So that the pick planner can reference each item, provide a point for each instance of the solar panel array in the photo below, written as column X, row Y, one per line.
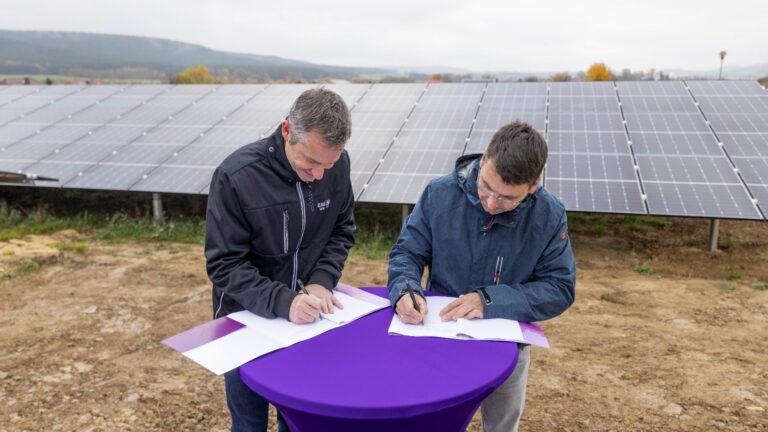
column 696, row 148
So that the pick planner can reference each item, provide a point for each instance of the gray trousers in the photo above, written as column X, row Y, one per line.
column 503, row 408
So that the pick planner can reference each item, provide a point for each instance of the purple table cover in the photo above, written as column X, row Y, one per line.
column 358, row 377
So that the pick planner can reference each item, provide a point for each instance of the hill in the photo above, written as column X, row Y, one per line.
column 105, row 56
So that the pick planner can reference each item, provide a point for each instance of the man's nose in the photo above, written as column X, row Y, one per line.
column 317, row 173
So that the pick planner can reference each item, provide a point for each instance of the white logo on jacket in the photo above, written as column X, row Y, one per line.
column 324, row 205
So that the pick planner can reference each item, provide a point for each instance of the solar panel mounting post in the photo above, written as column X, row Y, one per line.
column 406, row 208
column 157, row 206
column 714, row 230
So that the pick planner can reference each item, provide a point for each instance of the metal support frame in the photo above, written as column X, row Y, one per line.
column 714, row 232
column 406, row 208
column 157, row 206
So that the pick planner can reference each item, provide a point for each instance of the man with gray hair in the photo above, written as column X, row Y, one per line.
column 279, row 226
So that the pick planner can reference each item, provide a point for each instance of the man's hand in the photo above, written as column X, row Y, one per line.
column 327, row 297
column 305, row 309
column 468, row 306
column 406, row 311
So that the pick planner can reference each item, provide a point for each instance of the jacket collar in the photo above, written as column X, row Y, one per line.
column 278, row 161
column 466, row 172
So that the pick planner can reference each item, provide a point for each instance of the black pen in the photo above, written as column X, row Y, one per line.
column 301, row 286
column 413, row 297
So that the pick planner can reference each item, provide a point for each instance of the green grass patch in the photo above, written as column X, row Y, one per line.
column 26, row 266
column 14, row 224
column 374, row 244
column 760, row 286
column 8, row 252
column 729, row 288
column 732, row 274
column 69, row 247
column 598, row 230
column 644, row 269
column 121, row 228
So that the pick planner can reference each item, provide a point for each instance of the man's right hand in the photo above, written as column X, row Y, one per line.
column 305, row 309
column 406, row 311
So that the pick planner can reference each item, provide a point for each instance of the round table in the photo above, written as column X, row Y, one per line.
column 359, row 378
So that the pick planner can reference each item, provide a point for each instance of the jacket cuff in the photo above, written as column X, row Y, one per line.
column 283, row 301
column 322, row 277
column 398, row 291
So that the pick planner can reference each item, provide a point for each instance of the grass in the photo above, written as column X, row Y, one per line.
column 26, row 266
column 644, row 269
column 99, row 227
column 374, row 244
column 377, row 229
column 760, row 286
column 121, row 228
column 732, row 274
column 9, row 252
column 70, row 247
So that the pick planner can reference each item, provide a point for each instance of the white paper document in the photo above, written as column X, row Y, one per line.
column 353, row 309
column 261, row 335
column 434, row 326
column 233, row 350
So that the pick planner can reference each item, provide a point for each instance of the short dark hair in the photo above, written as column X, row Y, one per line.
column 322, row 111
column 518, row 153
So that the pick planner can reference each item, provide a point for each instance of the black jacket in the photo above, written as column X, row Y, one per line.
column 265, row 228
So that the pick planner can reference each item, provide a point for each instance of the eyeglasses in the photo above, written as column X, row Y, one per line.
column 506, row 202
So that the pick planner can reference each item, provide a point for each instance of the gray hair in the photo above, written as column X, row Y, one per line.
column 322, row 111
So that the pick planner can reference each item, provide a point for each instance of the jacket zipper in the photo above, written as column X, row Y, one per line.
column 285, row 231
column 301, row 236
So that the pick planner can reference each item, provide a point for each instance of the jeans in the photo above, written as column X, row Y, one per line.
column 250, row 412
column 503, row 408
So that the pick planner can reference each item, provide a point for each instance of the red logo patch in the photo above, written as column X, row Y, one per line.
column 562, row 236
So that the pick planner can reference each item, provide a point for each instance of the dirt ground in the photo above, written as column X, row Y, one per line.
column 682, row 348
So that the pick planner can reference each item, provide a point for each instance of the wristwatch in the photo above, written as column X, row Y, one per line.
column 484, row 295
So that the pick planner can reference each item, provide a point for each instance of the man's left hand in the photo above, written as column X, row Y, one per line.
column 468, row 306
column 329, row 301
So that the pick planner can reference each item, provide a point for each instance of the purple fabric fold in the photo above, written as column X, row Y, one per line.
column 203, row 334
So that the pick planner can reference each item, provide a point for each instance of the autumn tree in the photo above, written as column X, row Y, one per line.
column 436, row 77
column 195, row 75
column 560, row 77
column 599, row 72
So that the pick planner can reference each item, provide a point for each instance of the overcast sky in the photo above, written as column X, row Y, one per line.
column 475, row 35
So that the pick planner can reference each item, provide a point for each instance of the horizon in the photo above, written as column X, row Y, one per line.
column 447, row 34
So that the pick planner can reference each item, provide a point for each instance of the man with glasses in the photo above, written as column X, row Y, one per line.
column 492, row 235
column 280, row 212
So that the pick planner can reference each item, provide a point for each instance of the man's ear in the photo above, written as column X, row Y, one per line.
column 285, row 130
column 534, row 186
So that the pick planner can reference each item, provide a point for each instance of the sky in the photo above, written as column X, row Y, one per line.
column 531, row 36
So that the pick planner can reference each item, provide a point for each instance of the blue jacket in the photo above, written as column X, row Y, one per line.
column 449, row 232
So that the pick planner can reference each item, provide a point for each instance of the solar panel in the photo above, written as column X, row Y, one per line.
column 108, row 177
column 681, row 166
column 18, row 109
column 738, row 112
column 697, row 148
column 351, row 93
column 176, row 180
column 165, row 163
column 434, row 135
column 376, row 120
column 503, row 104
column 590, row 164
column 61, row 170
